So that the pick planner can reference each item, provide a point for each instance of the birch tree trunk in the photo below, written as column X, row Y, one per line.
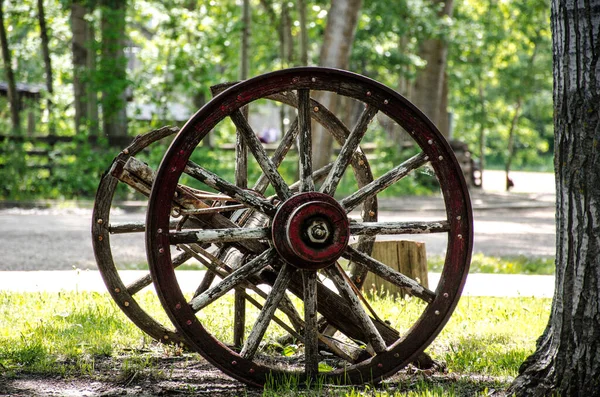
column 429, row 85
column 567, row 359
column 342, row 19
column 13, row 96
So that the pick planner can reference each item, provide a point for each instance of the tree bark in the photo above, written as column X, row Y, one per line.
column 567, row 359
column 429, row 84
column 13, row 96
column 80, row 54
column 342, row 19
column 47, row 63
column 113, row 70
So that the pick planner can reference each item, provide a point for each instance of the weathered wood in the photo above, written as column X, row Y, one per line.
column 218, row 235
column 311, row 345
column 305, row 142
column 132, row 227
column 267, row 312
column 384, row 181
column 204, row 211
column 284, row 146
column 231, row 281
column 347, row 151
column 261, row 156
column 370, row 331
column 216, row 182
column 144, row 281
column 380, row 228
column 393, row 276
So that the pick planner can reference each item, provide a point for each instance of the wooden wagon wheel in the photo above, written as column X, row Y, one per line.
column 287, row 248
column 127, row 169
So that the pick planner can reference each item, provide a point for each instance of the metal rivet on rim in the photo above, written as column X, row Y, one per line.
column 437, row 312
column 430, row 141
column 380, row 365
column 396, row 355
column 314, row 79
column 460, row 236
column 368, row 93
column 234, row 362
column 295, row 80
column 445, row 295
column 385, row 102
column 126, row 303
column 166, row 337
column 161, row 250
column 181, row 152
column 178, row 306
column 316, row 108
column 239, row 98
column 426, row 158
column 458, row 218
column 159, row 231
column 99, row 221
column 100, row 238
column 189, row 322
column 173, row 169
column 125, row 151
column 441, row 157
column 251, row 370
column 117, row 290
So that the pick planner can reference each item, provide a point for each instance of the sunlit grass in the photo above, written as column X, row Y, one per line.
column 481, row 263
column 64, row 333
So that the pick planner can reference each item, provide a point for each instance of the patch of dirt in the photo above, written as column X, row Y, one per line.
column 179, row 376
column 187, row 375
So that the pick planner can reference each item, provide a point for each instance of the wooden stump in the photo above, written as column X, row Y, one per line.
column 407, row 257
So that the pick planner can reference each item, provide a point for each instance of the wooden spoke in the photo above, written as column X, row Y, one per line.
column 260, row 154
column 219, row 235
column 284, row 146
column 206, row 282
column 146, row 280
column 378, row 228
column 212, row 210
column 347, row 151
column 267, row 312
column 239, row 315
column 311, row 343
column 241, row 156
column 390, row 274
column 305, row 142
column 383, row 182
column 236, row 193
column 231, row 281
column 371, row 333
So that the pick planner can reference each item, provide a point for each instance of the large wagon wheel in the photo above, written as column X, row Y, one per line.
column 127, row 169
column 293, row 242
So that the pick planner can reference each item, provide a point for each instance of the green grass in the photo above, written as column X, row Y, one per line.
column 64, row 334
column 481, row 263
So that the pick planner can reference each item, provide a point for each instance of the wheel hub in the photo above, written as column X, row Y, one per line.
column 310, row 230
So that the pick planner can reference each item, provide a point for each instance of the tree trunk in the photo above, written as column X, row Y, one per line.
column 13, row 96
column 567, row 359
column 91, row 90
column 113, row 71
column 511, row 143
column 47, row 63
column 335, row 53
column 429, row 84
column 303, row 33
column 80, row 53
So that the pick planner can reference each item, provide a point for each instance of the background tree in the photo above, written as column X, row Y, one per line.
column 428, row 91
column 113, row 70
column 342, row 19
column 13, row 96
column 567, row 359
column 47, row 63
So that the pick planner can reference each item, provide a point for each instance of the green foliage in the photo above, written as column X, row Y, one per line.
column 481, row 263
column 499, row 56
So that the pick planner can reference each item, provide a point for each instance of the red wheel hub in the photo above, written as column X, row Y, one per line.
column 310, row 230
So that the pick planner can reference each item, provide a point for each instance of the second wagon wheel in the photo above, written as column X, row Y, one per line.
column 285, row 251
